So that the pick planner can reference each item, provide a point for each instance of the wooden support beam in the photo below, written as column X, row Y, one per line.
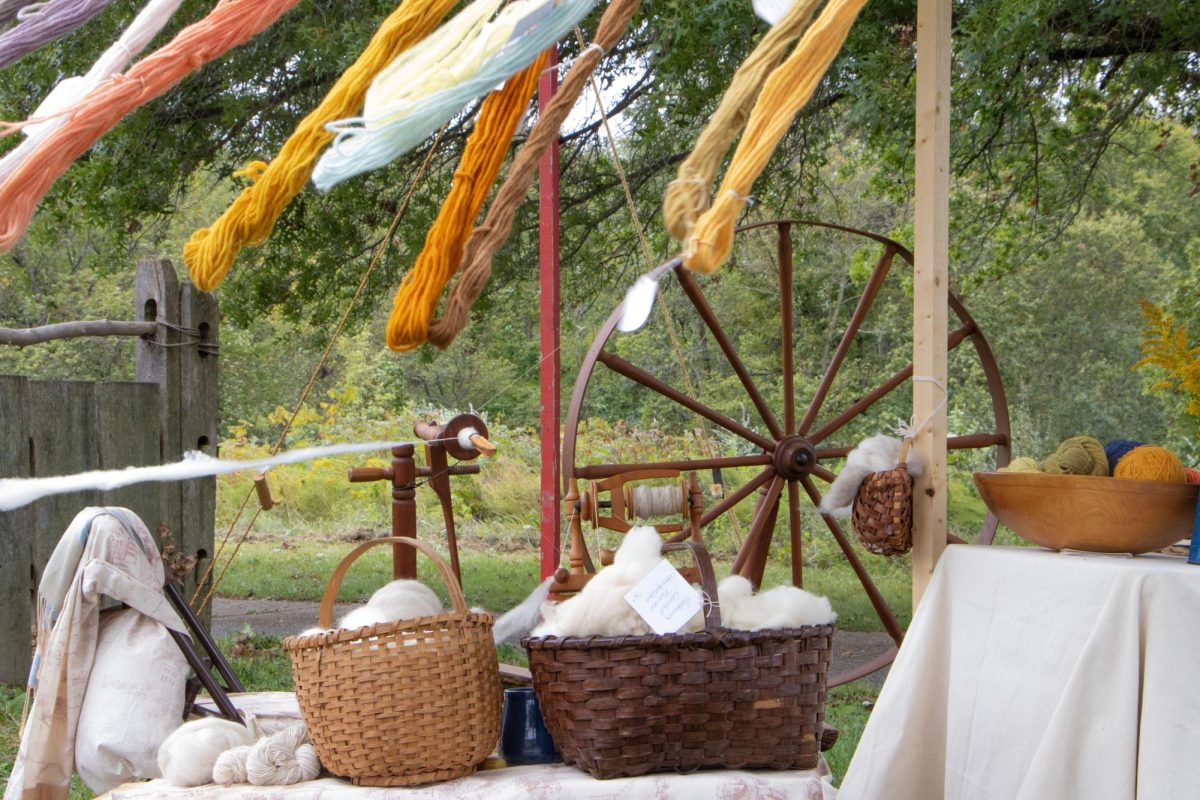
column 931, row 280
column 22, row 337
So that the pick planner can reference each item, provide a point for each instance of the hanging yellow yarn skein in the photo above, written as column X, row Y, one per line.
column 1079, row 455
column 209, row 253
column 687, row 196
column 1151, row 463
column 417, row 297
column 788, row 88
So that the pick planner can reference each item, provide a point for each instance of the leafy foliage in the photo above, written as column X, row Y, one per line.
column 1165, row 344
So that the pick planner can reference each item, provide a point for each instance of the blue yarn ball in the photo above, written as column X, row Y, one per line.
column 1116, row 450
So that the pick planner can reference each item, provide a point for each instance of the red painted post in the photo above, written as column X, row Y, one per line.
column 549, row 367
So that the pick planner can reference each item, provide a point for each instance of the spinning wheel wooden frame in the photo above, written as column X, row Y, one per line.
column 793, row 448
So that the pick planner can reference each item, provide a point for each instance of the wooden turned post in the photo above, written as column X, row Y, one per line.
column 403, row 475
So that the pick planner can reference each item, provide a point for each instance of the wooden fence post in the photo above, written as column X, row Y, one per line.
column 156, row 298
column 197, row 408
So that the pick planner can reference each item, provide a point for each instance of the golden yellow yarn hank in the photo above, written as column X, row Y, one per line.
column 786, row 91
column 687, row 196
column 483, row 155
column 210, row 252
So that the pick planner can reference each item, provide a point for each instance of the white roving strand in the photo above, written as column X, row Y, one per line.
column 17, row 492
column 518, row 622
column 875, row 454
column 400, row 599
column 187, row 756
column 52, row 111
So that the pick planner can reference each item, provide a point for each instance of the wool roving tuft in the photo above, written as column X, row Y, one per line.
column 1115, row 450
column 1193, row 475
column 1151, row 463
column 1079, row 455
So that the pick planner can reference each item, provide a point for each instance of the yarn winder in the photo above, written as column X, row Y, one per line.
column 628, row 502
column 464, row 438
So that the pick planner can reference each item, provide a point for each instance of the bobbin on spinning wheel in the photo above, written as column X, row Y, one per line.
column 625, row 505
column 787, row 396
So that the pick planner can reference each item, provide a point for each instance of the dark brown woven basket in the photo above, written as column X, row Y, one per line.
column 631, row 705
column 882, row 513
column 400, row 703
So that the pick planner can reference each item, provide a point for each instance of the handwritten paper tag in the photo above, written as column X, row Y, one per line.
column 664, row 599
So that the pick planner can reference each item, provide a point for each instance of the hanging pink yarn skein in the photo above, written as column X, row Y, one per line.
column 229, row 24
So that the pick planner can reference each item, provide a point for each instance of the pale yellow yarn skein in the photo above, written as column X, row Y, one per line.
column 786, row 91
column 687, row 196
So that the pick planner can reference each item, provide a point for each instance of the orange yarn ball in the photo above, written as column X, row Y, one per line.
column 1193, row 475
column 1150, row 463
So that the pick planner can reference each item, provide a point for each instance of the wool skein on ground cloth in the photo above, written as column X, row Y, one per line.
column 785, row 92
column 493, row 232
column 1151, row 463
column 400, row 114
column 43, row 24
column 482, row 157
column 229, row 24
column 210, row 252
column 687, row 196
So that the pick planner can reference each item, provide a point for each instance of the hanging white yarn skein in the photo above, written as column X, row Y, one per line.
column 187, row 756
column 390, row 130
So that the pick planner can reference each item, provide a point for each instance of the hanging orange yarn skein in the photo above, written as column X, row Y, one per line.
column 229, row 24
column 785, row 92
column 483, row 155
column 209, row 253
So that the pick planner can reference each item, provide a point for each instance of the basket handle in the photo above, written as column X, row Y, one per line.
column 325, row 616
column 708, row 582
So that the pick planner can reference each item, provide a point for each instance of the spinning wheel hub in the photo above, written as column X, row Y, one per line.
column 794, row 457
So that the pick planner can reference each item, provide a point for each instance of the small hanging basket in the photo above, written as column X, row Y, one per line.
column 882, row 513
column 400, row 703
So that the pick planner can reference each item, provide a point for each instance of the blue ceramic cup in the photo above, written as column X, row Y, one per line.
column 523, row 735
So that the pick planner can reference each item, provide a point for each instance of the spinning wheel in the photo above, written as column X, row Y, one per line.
column 781, row 422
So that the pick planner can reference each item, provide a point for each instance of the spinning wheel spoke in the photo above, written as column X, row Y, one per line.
column 751, row 559
column 822, row 473
column 623, row 367
column 969, row 441
column 882, row 390
column 785, row 326
column 860, row 312
column 694, row 293
column 794, row 530
column 737, row 496
column 881, row 607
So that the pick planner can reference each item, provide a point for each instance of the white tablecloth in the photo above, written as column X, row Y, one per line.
column 518, row 783
column 1032, row 674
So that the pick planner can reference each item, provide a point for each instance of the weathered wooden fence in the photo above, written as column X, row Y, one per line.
column 63, row 427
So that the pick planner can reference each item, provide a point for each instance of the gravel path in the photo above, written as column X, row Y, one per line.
column 285, row 617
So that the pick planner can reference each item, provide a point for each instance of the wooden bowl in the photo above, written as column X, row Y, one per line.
column 1084, row 512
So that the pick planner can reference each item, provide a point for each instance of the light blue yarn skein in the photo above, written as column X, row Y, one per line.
column 358, row 148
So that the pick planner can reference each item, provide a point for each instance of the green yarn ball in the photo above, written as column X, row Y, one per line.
column 1022, row 464
column 1079, row 455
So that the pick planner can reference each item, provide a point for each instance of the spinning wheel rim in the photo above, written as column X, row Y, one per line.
column 788, row 436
